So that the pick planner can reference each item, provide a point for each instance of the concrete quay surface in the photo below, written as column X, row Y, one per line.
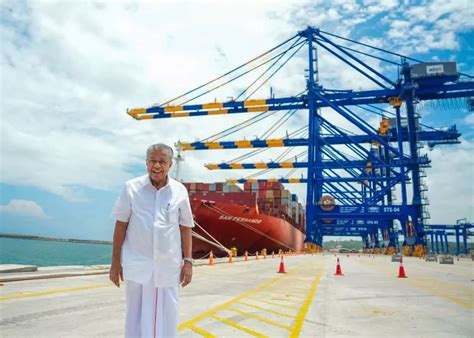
column 250, row 299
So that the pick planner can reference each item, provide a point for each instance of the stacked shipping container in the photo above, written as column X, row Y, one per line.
column 271, row 198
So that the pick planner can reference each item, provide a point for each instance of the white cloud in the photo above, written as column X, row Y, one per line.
column 70, row 70
column 449, row 181
column 469, row 119
column 429, row 25
column 23, row 208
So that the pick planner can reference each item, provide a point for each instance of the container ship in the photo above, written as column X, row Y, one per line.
column 262, row 216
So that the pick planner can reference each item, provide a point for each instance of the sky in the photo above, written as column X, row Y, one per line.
column 71, row 69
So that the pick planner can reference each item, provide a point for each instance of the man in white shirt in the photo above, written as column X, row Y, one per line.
column 152, row 247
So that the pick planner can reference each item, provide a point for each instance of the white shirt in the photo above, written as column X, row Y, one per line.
column 153, row 239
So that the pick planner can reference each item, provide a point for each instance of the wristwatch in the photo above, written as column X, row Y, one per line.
column 189, row 259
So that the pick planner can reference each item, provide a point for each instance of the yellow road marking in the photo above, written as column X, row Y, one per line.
column 286, row 294
column 223, row 306
column 422, row 286
column 282, row 292
column 251, row 315
column 26, row 295
column 266, row 294
column 267, row 310
column 237, row 326
column 301, row 316
column 442, row 295
column 202, row 332
column 274, row 303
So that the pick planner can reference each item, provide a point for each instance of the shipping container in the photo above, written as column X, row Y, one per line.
column 212, row 187
column 219, row 186
column 269, row 193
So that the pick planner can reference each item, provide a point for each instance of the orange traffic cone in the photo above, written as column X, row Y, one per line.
column 401, row 270
column 338, row 269
column 282, row 265
column 246, row 257
column 211, row 258
column 256, row 255
column 230, row 256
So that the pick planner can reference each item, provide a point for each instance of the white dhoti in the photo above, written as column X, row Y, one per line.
column 151, row 311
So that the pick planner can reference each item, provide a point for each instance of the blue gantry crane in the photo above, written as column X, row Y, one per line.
column 353, row 177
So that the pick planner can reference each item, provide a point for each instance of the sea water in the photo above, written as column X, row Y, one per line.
column 52, row 253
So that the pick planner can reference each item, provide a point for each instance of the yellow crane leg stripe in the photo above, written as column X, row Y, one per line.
column 257, row 109
column 286, row 164
column 212, row 105
column 181, row 114
column 145, row 117
column 137, row 111
column 218, row 112
column 254, row 103
column 172, row 109
column 301, row 316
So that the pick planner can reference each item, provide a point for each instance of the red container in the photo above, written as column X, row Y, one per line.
column 219, row 186
column 276, row 193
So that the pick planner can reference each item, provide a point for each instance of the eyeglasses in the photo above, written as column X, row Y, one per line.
column 160, row 162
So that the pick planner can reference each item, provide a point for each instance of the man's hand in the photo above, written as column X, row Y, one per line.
column 186, row 274
column 116, row 273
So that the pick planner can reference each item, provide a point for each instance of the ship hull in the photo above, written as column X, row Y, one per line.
column 242, row 227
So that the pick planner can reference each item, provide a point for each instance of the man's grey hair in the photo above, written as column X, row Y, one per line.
column 160, row 146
